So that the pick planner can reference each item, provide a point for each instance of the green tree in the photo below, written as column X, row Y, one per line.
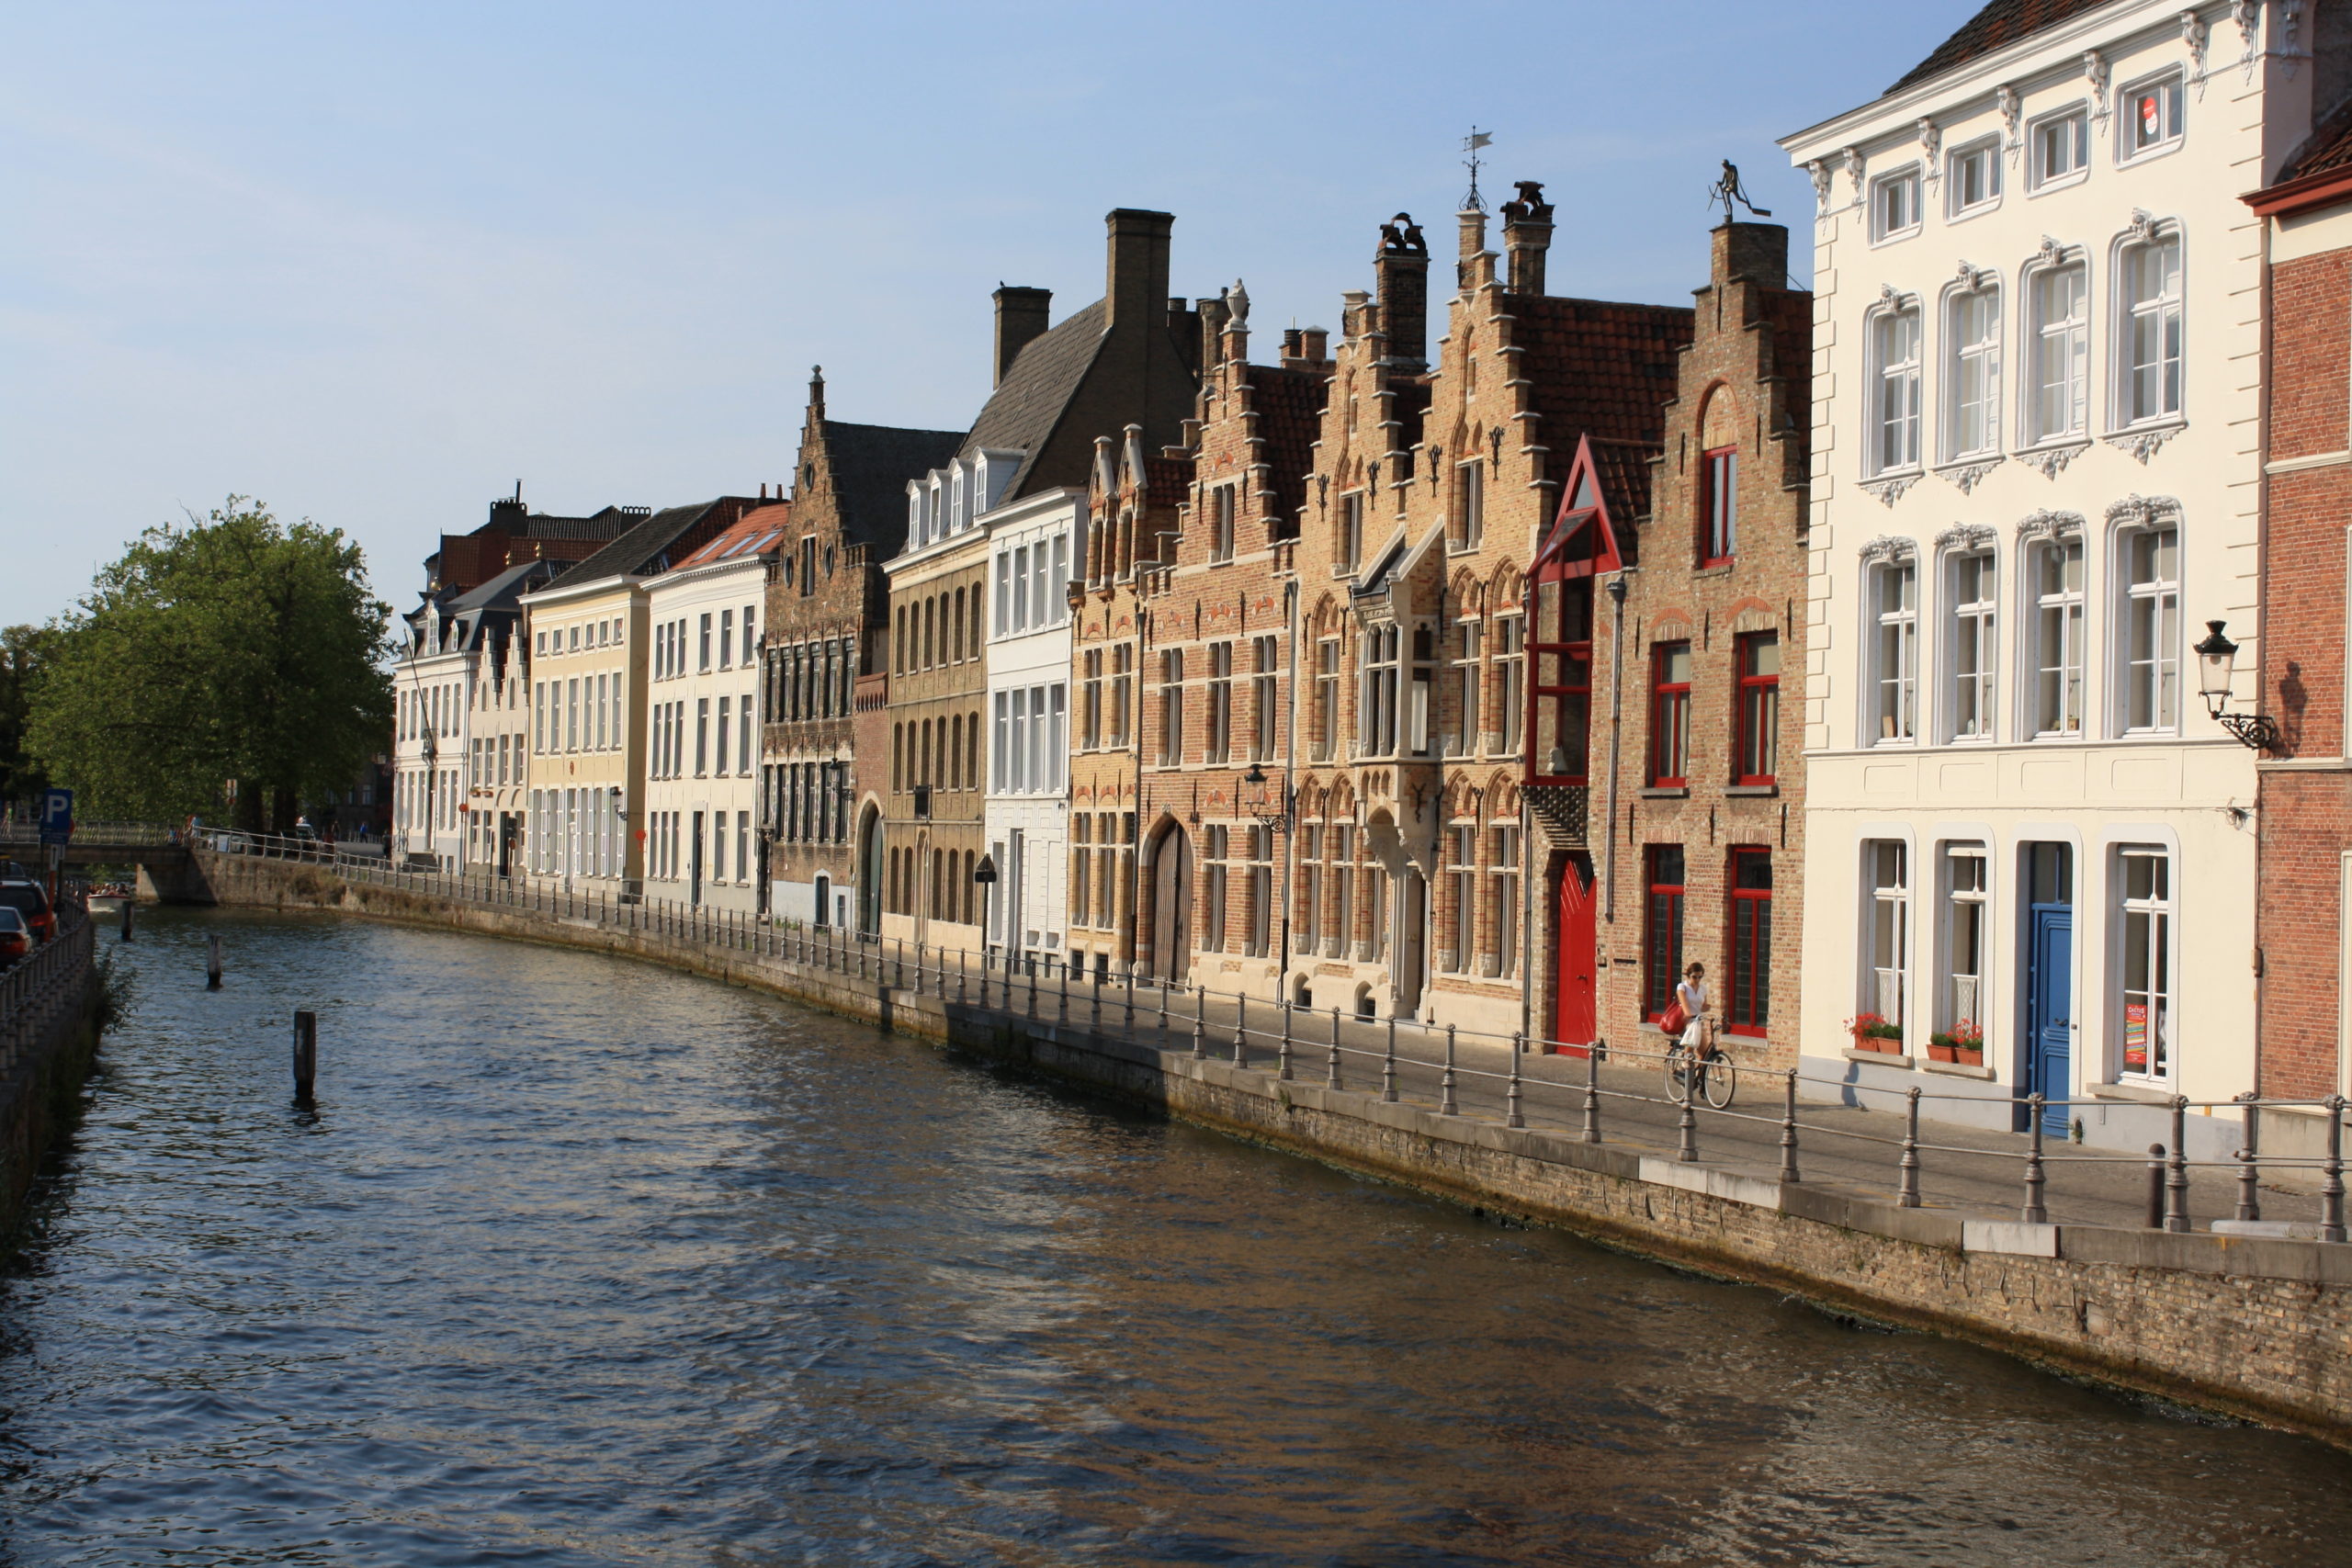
column 235, row 655
column 23, row 658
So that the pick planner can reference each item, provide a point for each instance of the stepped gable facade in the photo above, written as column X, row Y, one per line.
column 1217, row 610
column 828, row 613
column 1675, row 588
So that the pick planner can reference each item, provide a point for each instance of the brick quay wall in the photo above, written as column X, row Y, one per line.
column 2257, row 1327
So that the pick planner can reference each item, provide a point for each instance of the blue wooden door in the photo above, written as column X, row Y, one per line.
column 2050, row 1013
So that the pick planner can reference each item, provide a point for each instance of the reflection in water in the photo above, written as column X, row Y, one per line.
column 583, row 1261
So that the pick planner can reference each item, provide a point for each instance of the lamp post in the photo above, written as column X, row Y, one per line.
column 2216, row 664
column 1274, row 818
column 985, row 875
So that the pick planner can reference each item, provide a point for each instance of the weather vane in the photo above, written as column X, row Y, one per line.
column 1728, row 189
column 1470, row 144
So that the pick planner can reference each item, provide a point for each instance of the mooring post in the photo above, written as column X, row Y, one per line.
column 1201, row 1032
column 2331, row 1188
column 2156, row 1214
column 1331, row 1074
column 2177, row 1169
column 126, row 918
column 1687, row 1129
column 1240, row 1028
column 2035, row 1213
column 306, row 1055
column 1285, row 1006
column 1592, row 1092
column 212, row 966
column 1061, row 1012
column 1031, row 964
column 1445, row 1105
column 2249, row 1161
column 1518, row 1044
column 1388, row 1064
column 1098, row 995
column 1131, row 994
column 1906, row 1195
column 1789, row 1128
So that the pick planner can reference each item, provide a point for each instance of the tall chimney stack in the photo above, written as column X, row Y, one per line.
column 1020, row 316
column 1137, row 288
column 1527, row 236
column 1758, row 252
column 1403, row 270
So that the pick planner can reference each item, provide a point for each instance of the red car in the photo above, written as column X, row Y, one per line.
column 28, row 899
column 16, row 937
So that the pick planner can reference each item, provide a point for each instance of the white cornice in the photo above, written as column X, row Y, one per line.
column 2055, row 52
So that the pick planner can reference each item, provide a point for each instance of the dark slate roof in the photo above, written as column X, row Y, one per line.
column 1998, row 25
column 2329, row 146
column 1599, row 367
column 667, row 536
column 609, row 524
column 1021, row 412
column 871, row 465
column 501, row 592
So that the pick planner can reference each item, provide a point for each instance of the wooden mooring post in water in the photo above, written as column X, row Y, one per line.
column 212, row 966
column 126, row 918
column 306, row 1055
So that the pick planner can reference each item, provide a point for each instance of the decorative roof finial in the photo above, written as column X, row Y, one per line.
column 1727, row 189
column 1474, row 202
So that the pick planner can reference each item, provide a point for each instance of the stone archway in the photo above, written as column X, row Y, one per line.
column 1165, row 921
column 869, row 870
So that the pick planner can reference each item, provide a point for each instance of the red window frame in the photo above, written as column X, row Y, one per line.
column 1559, row 601
column 1748, row 1008
column 1662, row 873
column 1669, row 719
column 1718, row 505
column 1757, row 736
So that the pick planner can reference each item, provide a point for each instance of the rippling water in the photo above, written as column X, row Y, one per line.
column 582, row 1261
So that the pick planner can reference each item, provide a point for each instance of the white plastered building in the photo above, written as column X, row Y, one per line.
column 1031, row 546
column 2036, row 476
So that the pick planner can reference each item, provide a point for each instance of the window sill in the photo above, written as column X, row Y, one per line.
column 1957, row 1070
column 1665, row 791
column 1751, row 791
column 1883, row 1058
column 2145, row 439
column 2143, row 1094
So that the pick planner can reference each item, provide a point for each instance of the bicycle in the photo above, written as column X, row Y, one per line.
column 1706, row 1072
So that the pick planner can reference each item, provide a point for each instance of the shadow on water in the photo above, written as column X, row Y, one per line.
column 576, row 1260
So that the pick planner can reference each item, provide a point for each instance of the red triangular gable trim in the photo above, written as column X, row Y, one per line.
column 1583, row 475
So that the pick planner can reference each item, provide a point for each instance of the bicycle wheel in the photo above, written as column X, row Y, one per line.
column 1719, row 1080
column 1680, row 1072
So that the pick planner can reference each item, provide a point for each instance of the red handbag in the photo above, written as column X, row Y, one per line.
column 1675, row 1019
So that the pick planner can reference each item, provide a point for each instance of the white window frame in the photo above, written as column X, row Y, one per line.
column 1963, row 355
column 1354, row 506
column 1470, row 504
column 2039, row 337
column 1891, row 636
column 2158, row 598
column 1907, row 184
column 2167, row 311
column 2037, row 179
column 2072, row 605
column 2156, row 935
column 1886, row 967
column 1892, row 383
column 1986, row 148
column 2171, row 87
column 1967, row 894
column 1468, row 668
column 1973, row 631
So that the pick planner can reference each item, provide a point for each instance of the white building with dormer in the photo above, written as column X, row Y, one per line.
column 2037, row 474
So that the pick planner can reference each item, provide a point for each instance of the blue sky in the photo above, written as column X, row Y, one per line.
column 373, row 263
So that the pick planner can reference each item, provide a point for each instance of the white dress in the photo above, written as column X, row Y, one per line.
column 1694, row 1002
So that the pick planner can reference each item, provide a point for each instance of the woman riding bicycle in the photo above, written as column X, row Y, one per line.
column 1692, row 992
column 1692, row 1060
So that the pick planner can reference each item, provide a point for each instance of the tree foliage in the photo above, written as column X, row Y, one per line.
column 235, row 655
column 24, row 657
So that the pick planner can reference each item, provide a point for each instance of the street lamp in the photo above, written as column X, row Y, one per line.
column 1273, row 817
column 2216, row 663
column 985, row 875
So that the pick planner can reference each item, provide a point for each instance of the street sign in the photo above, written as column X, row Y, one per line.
column 57, row 816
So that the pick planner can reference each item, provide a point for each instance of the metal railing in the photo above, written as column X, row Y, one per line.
column 103, row 835
column 1450, row 1068
column 49, row 978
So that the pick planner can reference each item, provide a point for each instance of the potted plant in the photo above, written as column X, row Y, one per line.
column 1962, row 1044
column 1872, row 1032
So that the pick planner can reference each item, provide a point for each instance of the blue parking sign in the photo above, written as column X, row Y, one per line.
column 57, row 816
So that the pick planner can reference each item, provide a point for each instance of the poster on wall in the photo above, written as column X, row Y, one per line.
column 2135, row 1037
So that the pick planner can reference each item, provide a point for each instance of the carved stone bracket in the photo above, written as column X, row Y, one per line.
column 1855, row 167
column 1964, row 537
column 2142, row 511
column 1970, row 474
column 2193, row 33
column 1931, row 141
column 2050, row 525
column 1890, row 489
column 1891, row 547
column 1821, row 176
column 2011, row 107
column 2097, row 72
column 2144, row 445
column 2143, row 225
column 2247, row 14
column 2051, row 461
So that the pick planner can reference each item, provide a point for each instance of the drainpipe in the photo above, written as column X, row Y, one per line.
column 1616, row 736
column 1290, row 776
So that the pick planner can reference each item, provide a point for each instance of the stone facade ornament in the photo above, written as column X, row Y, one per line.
column 2247, row 14
column 1821, row 176
column 1931, row 143
column 1236, row 301
column 1855, row 167
column 2194, row 34
column 1963, row 536
column 2049, row 251
column 2098, row 72
column 1890, row 547
column 2144, row 445
column 2141, row 511
column 2290, row 24
column 1970, row 275
column 2050, row 525
column 2051, row 461
column 2005, row 98
column 1970, row 474
column 2143, row 225
column 1891, row 489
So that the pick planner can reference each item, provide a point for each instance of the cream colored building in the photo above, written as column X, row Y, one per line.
column 2036, row 476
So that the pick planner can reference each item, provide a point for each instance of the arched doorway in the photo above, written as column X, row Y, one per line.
column 1575, row 964
column 1412, row 940
column 1172, row 903
column 869, row 872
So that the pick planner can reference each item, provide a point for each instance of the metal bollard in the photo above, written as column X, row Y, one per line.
column 1789, row 1129
column 1331, row 1072
column 1388, row 1064
column 2156, row 1214
column 1592, row 1093
column 1240, row 1028
column 2036, row 1213
column 1907, row 1193
column 2177, row 1169
column 1031, row 964
column 2331, row 1190
column 2249, row 1161
column 1061, row 985
column 212, row 968
column 1688, row 1127
column 1163, row 1011
column 1286, row 1073
column 1098, row 995
column 1201, row 1036
column 1131, row 994
column 1445, row 1105
column 1512, row 1117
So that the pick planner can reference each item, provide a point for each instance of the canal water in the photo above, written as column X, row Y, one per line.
column 581, row 1261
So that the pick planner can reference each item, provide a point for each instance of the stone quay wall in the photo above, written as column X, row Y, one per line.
column 48, row 1038
column 2251, row 1327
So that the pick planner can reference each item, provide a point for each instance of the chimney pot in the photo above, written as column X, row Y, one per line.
column 1403, row 269
column 1527, row 236
column 1758, row 252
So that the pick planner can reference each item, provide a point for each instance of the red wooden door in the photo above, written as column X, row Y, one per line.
column 1577, row 966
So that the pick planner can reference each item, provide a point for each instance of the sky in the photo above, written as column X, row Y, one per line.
column 376, row 264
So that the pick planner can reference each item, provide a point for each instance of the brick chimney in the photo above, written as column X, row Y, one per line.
column 1758, row 252
column 1137, row 288
column 1020, row 316
column 1527, row 235
column 1402, row 268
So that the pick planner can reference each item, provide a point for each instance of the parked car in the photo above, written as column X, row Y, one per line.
column 30, row 900
column 16, row 937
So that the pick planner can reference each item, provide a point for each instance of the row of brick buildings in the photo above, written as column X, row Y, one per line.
column 1431, row 667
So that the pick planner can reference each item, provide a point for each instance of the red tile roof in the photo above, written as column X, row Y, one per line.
column 1599, row 367
column 762, row 527
column 1998, row 25
column 1289, row 406
column 2329, row 146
